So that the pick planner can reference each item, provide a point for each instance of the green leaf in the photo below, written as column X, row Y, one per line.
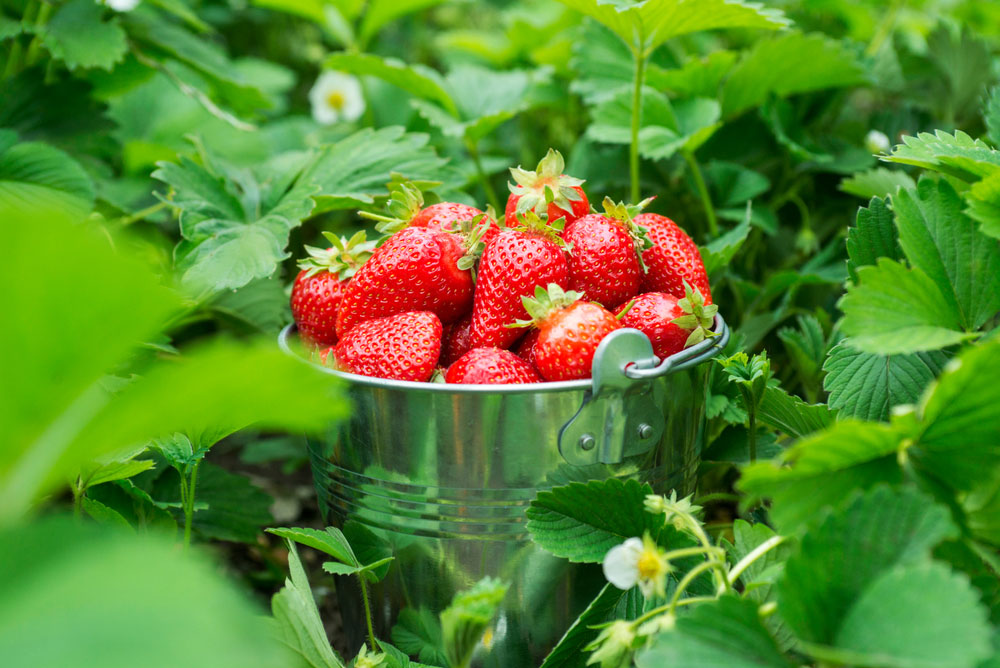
column 171, row 44
column 602, row 63
column 260, row 305
column 417, row 80
column 465, row 620
column 236, row 508
column 646, row 25
column 991, row 115
column 872, row 236
column 378, row 13
column 788, row 64
column 568, row 652
column 37, row 176
column 102, row 514
column 842, row 556
column 958, row 438
column 792, row 416
column 330, row 541
column 920, row 616
column 115, row 470
column 963, row 60
column 957, row 155
column 484, row 99
column 726, row 632
column 78, row 35
column 876, row 182
column 9, row 28
column 719, row 252
column 666, row 128
column 732, row 184
column 898, row 310
column 943, row 242
column 761, row 574
column 581, row 522
column 982, row 511
column 821, row 470
column 697, row 77
column 867, row 386
column 355, row 170
column 984, row 204
column 87, row 584
column 297, row 623
column 418, row 633
column 235, row 223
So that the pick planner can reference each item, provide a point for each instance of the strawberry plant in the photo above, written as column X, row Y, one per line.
column 404, row 181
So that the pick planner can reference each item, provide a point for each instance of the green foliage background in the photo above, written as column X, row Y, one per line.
column 160, row 170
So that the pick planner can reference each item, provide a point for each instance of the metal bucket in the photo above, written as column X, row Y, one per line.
column 443, row 475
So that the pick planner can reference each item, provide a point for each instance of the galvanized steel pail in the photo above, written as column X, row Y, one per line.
column 442, row 475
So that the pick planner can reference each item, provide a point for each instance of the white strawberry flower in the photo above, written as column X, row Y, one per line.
column 122, row 5
column 638, row 562
column 336, row 97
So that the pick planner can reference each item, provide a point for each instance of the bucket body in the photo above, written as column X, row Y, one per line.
column 441, row 475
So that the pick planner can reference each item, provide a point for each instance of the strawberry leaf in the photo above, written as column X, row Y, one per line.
column 32, row 173
column 788, row 64
column 957, row 155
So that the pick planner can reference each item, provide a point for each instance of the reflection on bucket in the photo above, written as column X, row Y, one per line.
column 441, row 475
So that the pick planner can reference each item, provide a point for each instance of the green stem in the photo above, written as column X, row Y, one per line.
column 751, row 557
column 719, row 572
column 189, row 503
column 78, row 490
column 633, row 149
column 884, row 28
column 706, row 200
column 663, row 608
column 687, row 580
column 35, row 48
column 691, row 552
column 140, row 215
column 368, row 612
column 491, row 195
column 13, row 59
column 751, row 422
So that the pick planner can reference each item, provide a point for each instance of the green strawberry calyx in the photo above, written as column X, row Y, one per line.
column 546, row 185
column 541, row 225
column 472, row 231
column 698, row 317
column 546, row 302
column 344, row 256
column 405, row 202
column 625, row 214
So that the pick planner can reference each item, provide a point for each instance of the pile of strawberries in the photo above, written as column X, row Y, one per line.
column 450, row 290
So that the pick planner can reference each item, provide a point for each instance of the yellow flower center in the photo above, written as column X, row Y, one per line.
column 335, row 100
column 649, row 564
column 488, row 638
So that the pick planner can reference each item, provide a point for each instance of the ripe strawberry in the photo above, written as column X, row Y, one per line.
column 405, row 208
column 456, row 340
column 481, row 366
column 560, row 195
column 673, row 259
column 671, row 324
column 405, row 346
column 319, row 287
column 417, row 269
column 513, row 264
column 604, row 263
column 569, row 331
column 525, row 348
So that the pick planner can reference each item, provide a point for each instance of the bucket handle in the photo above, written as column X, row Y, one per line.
column 619, row 417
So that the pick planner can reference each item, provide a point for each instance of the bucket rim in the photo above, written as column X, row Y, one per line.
column 703, row 351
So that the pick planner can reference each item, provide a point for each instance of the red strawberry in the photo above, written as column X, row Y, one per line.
column 513, row 264
column 525, row 348
column 319, row 287
column 405, row 346
column 481, row 366
column 417, row 269
column 671, row 324
column 569, row 331
column 560, row 195
column 604, row 261
column 673, row 258
column 405, row 208
column 456, row 340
